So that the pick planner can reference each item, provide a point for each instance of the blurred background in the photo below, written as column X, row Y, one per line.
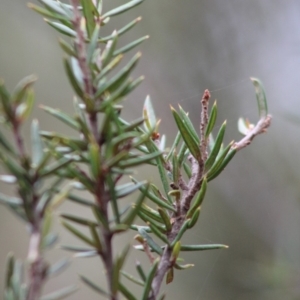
column 254, row 206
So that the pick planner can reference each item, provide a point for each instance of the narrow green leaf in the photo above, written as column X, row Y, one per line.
column 61, row 28
column 132, row 85
column 157, row 232
column 119, row 228
column 136, row 228
column 174, row 146
column 54, row 6
column 154, row 198
column 194, row 218
column 175, row 167
column 123, row 289
column 100, row 217
column 212, row 120
column 6, row 145
column 67, row 47
column 131, row 45
column 187, row 170
column 94, row 157
column 199, row 199
column 6, row 102
column 189, row 124
column 50, row 170
column 10, row 263
column 149, row 279
column 140, row 270
column 191, row 143
column 93, row 286
column 96, row 238
column 202, row 247
column 80, row 200
column 58, row 267
column 224, row 163
column 77, row 233
column 122, row 8
column 182, row 154
column 77, row 88
column 115, row 96
column 36, row 144
column 128, row 188
column 49, row 240
column 162, row 171
column 215, row 151
column 14, row 168
column 165, row 218
column 109, row 50
column 89, row 12
column 24, row 109
column 22, row 88
column 128, row 220
column 132, row 278
column 183, row 267
column 117, row 268
column 79, row 220
column 170, row 276
column 10, row 200
column 147, row 219
column 68, row 120
column 151, row 213
column 75, row 144
column 176, row 251
column 119, row 78
column 109, row 67
column 260, row 97
column 155, row 247
column 60, row 294
column 181, row 231
column 46, row 13
column 141, row 160
column 72, row 248
column 149, row 115
column 122, row 30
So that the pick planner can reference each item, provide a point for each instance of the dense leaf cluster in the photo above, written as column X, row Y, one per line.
column 105, row 150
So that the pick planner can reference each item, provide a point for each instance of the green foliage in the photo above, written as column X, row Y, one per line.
column 105, row 150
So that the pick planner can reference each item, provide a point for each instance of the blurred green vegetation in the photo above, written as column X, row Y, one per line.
column 254, row 206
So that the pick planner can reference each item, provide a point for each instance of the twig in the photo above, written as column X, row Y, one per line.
column 203, row 123
column 193, row 186
column 259, row 128
column 81, row 51
column 82, row 61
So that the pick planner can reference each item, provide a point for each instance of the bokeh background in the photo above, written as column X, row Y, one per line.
column 254, row 206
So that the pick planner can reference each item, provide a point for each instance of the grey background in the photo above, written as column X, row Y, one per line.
column 254, row 205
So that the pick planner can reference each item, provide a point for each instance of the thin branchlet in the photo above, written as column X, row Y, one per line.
column 190, row 189
column 101, row 194
column 82, row 61
column 260, row 127
column 203, row 124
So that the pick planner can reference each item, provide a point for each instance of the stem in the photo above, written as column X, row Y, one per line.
column 260, row 127
column 101, row 196
column 107, row 252
column 108, row 263
column 37, row 265
column 81, row 51
column 37, row 269
column 18, row 140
